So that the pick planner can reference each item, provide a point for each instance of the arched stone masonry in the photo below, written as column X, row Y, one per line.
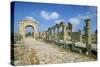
column 25, row 23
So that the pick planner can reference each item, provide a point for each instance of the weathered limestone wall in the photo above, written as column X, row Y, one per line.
column 76, row 36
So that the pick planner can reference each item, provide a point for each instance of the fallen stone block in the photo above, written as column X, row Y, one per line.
column 76, row 49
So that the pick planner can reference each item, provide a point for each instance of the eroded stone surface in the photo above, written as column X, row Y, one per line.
column 39, row 52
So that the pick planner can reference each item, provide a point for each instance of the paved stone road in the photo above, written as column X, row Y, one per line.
column 32, row 51
column 39, row 52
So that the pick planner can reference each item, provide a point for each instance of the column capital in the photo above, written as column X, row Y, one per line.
column 88, row 19
column 62, row 24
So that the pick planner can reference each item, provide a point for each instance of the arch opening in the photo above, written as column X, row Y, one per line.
column 29, row 31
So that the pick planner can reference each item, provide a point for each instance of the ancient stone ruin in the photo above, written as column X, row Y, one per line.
column 57, row 44
column 63, row 35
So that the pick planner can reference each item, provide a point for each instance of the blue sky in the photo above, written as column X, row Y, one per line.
column 48, row 15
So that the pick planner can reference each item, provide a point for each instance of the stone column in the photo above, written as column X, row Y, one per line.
column 80, row 36
column 64, row 35
column 53, row 33
column 69, row 27
column 88, row 37
column 57, row 33
column 49, row 33
column 47, row 37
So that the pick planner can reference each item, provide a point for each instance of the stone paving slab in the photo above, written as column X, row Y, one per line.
column 43, row 53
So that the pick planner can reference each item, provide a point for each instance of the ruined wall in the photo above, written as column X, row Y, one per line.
column 75, row 36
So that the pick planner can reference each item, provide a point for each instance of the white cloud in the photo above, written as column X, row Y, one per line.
column 77, row 19
column 48, row 16
column 74, row 20
column 45, row 15
column 30, row 18
column 54, row 15
column 60, row 20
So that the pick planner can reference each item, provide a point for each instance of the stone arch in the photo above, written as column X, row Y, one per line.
column 25, row 23
column 32, row 30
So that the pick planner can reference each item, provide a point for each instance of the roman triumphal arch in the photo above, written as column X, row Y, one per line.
column 26, row 23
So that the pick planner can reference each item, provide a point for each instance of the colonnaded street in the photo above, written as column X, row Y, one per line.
column 42, row 35
column 39, row 52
